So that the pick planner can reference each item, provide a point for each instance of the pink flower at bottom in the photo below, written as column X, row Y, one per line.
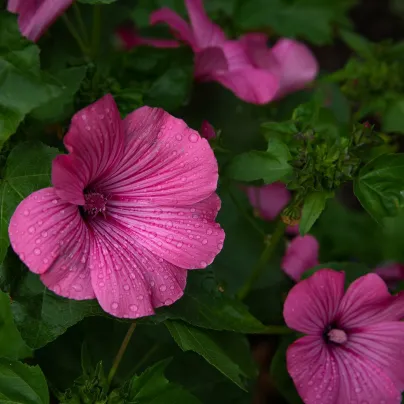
column 35, row 16
column 353, row 351
column 129, row 213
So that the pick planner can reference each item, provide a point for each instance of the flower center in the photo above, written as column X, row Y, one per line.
column 95, row 203
column 337, row 336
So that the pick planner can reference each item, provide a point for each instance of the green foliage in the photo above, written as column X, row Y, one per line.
column 314, row 204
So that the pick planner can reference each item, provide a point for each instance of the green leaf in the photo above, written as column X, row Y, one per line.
column 269, row 166
column 227, row 352
column 12, row 346
column 203, row 305
column 152, row 387
column 171, row 89
column 358, row 43
column 314, row 204
column 380, row 186
column 27, row 170
column 41, row 316
column 279, row 129
column 22, row 384
column 23, row 87
column 393, row 117
column 280, row 375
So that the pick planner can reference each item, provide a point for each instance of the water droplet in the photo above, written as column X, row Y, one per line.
column 45, row 260
column 140, row 297
column 101, row 284
column 209, row 232
column 26, row 212
column 203, row 264
column 44, row 234
column 193, row 138
column 133, row 307
column 168, row 302
column 40, row 222
column 31, row 229
column 178, row 137
column 37, row 251
column 204, row 241
column 114, row 305
column 57, row 289
column 169, row 224
column 179, row 244
column 55, row 201
column 163, row 288
column 152, row 283
column 77, row 287
column 126, row 287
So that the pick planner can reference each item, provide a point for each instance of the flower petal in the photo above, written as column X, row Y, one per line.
column 368, row 301
column 269, row 199
column 180, row 27
column 296, row 66
column 256, row 47
column 186, row 236
column 206, row 33
column 383, row 344
column 128, row 280
column 96, row 138
column 301, row 255
column 312, row 367
column 51, row 238
column 312, row 303
column 35, row 16
column 207, row 131
column 209, row 60
column 361, row 381
column 165, row 162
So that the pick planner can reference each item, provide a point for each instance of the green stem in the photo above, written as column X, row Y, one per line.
column 80, row 22
column 75, row 34
column 96, row 33
column 145, row 358
column 120, row 353
column 262, row 261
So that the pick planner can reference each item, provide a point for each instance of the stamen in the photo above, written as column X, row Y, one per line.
column 337, row 336
column 95, row 204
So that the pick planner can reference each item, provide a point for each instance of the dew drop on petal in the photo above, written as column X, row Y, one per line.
column 179, row 244
column 178, row 137
column 26, row 212
column 114, row 305
column 77, row 287
column 126, row 287
column 37, row 251
column 163, row 288
column 168, row 302
column 193, row 138
column 204, row 241
column 133, row 307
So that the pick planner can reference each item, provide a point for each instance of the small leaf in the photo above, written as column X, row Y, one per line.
column 153, row 387
column 393, row 117
column 358, row 43
column 279, row 129
column 22, row 384
column 27, row 170
column 41, row 316
column 380, row 186
column 314, row 204
column 227, row 352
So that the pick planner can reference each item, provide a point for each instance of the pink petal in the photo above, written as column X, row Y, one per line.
column 35, row 16
column 256, row 47
column 368, row 301
column 165, row 163
column 296, row 66
column 180, row 28
column 269, row 199
column 312, row 367
column 206, row 33
column 361, row 381
column 392, row 272
column 185, row 236
column 209, row 60
column 130, row 281
column 51, row 238
column 95, row 141
column 207, row 130
column 130, row 39
column 300, row 256
column 311, row 304
column 383, row 344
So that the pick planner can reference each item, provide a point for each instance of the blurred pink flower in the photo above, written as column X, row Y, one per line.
column 354, row 348
column 269, row 200
column 207, row 131
column 130, row 38
column 301, row 255
column 35, row 16
column 254, row 72
column 391, row 273
column 129, row 213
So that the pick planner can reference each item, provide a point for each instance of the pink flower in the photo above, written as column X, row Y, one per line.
column 207, row 131
column 391, row 273
column 130, row 38
column 129, row 213
column 270, row 200
column 354, row 348
column 35, row 16
column 300, row 256
column 247, row 67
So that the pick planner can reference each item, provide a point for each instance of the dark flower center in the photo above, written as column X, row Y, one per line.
column 95, row 203
column 335, row 335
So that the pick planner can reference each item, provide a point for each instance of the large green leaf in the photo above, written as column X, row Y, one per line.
column 314, row 204
column 22, row 384
column 12, row 346
column 23, row 87
column 152, row 387
column 228, row 352
column 380, row 186
column 27, row 170
column 41, row 316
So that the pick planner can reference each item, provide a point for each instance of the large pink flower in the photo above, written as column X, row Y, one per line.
column 132, row 208
column 36, row 15
column 354, row 348
column 247, row 66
